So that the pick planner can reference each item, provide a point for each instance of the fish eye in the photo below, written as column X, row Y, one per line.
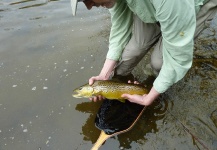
column 80, row 88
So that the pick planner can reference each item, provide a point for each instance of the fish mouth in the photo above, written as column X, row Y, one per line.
column 79, row 95
column 76, row 95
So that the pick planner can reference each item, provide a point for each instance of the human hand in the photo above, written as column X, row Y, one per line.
column 139, row 99
column 91, row 81
column 105, row 73
column 95, row 78
column 146, row 99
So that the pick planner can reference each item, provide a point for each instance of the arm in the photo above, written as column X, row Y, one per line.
column 122, row 21
column 121, row 18
column 104, row 75
column 106, row 71
column 178, row 23
column 146, row 99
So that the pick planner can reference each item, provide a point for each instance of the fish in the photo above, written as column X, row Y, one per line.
column 109, row 89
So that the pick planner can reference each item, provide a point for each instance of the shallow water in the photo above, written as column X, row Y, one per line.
column 45, row 53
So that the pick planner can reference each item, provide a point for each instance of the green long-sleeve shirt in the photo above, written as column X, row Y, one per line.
column 177, row 19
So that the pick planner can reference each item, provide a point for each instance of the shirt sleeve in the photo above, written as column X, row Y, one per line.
column 122, row 20
column 178, row 22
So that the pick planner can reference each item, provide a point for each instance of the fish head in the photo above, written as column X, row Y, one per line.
column 84, row 91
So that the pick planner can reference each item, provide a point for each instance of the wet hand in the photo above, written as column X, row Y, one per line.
column 95, row 78
column 91, row 81
column 139, row 99
column 145, row 99
column 96, row 98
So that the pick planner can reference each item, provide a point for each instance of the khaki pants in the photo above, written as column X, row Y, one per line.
column 146, row 35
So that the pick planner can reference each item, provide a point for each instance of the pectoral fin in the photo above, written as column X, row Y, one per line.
column 122, row 100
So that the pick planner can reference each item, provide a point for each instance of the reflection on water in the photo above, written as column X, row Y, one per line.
column 45, row 53
column 146, row 126
column 192, row 101
column 89, row 130
column 196, row 101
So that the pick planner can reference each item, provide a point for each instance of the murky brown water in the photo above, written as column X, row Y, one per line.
column 45, row 53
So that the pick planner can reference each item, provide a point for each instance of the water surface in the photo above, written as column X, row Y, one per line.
column 45, row 53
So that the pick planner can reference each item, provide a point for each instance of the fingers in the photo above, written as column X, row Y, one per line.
column 96, row 98
column 92, row 79
column 126, row 96
column 135, row 82
column 134, row 99
column 129, row 97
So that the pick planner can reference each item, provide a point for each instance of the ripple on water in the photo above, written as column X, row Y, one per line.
column 28, row 4
column 214, row 117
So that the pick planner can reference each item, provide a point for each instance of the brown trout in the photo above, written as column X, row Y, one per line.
column 109, row 90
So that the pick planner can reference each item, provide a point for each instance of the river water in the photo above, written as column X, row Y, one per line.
column 45, row 53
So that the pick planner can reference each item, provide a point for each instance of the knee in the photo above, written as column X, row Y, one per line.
column 156, row 65
column 157, row 57
column 156, row 62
